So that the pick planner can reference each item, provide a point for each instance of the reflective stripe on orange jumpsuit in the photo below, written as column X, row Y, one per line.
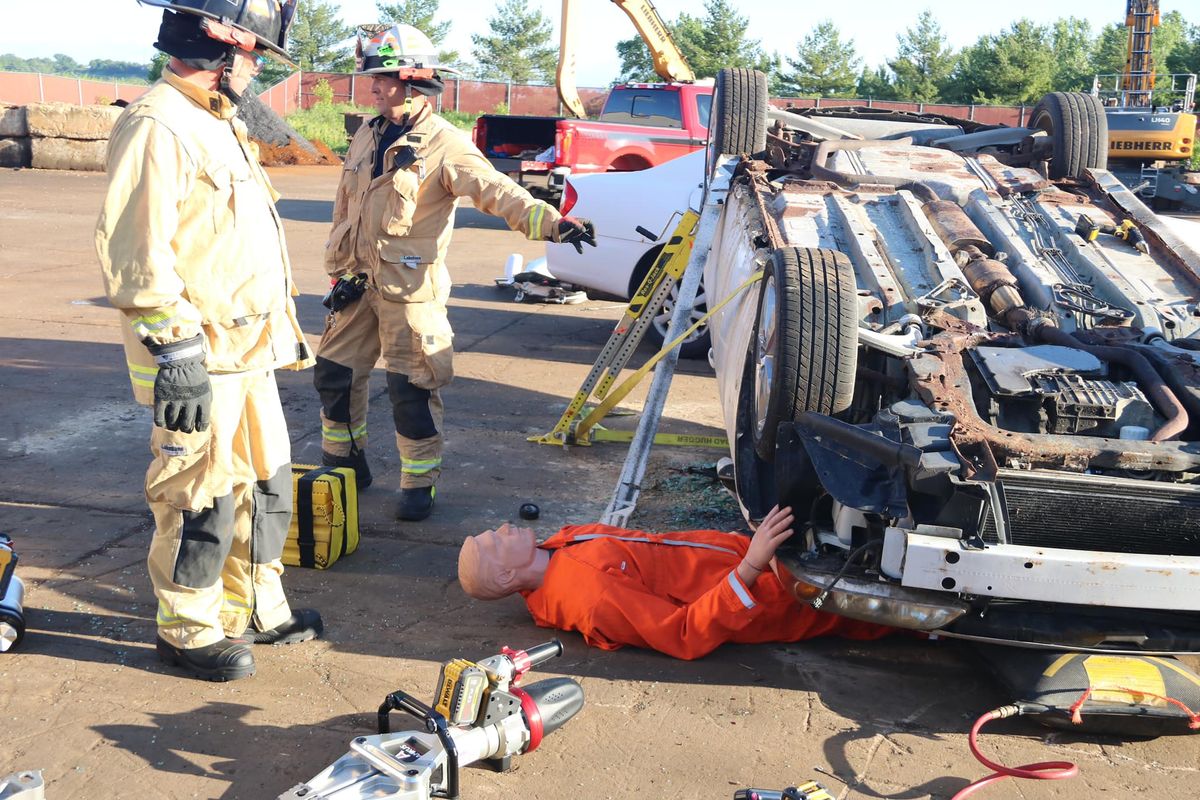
column 677, row 593
column 189, row 242
column 397, row 228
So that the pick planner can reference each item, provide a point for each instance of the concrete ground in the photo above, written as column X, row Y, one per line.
column 86, row 701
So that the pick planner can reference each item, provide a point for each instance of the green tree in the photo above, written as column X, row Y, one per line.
column 1186, row 56
column 317, row 40
column 518, row 48
column 1110, row 50
column 1015, row 66
column 825, row 66
column 923, row 61
column 156, row 66
column 719, row 41
column 1072, row 41
column 876, row 84
column 421, row 14
column 636, row 64
column 708, row 44
column 65, row 64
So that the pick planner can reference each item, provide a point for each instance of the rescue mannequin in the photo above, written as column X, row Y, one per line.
column 192, row 254
column 386, row 256
column 683, row 593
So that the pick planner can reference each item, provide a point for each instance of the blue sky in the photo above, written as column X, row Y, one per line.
column 124, row 30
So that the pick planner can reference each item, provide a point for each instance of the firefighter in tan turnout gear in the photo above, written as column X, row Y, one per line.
column 386, row 256
column 192, row 253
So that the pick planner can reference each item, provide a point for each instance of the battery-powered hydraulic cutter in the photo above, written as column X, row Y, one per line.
column 480, row 714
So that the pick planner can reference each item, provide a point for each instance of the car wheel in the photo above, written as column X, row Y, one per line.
column 1079, row 130
column 695, row 346
column 739, row 116
column 805, row 343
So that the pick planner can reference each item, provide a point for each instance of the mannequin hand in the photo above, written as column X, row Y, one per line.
column 775, row 529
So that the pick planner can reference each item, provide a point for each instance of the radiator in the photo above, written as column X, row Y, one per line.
column 1092, row 512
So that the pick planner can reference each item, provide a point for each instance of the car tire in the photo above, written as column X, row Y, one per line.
column 739, row 116
column 805, row 342
column 1079, row 129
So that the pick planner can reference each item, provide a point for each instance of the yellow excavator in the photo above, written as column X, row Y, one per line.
column 1150, row 145
column 669, row 62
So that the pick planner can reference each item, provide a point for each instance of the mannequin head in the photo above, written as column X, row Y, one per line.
column 497, row 563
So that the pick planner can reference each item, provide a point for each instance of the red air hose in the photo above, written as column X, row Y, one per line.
column 1044, row 771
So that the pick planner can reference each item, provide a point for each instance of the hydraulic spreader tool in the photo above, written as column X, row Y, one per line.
column 480, row 714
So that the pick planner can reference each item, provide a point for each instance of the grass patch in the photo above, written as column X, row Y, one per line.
column 460, row 119
column 327, row 122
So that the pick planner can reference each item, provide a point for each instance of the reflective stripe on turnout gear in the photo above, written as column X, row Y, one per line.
column 151, row 324
column 234, row 601
column 420, row 467
column 536, row 214
column 342, row 433
column 142, row 376
column 167, row 620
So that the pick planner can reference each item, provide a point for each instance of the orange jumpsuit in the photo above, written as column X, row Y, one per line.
column 677, row 593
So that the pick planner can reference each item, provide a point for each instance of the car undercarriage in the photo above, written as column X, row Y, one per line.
column 985, row 413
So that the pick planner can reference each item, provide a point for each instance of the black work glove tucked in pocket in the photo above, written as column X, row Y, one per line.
column 182, row 393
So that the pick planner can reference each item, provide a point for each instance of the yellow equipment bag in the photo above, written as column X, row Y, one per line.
column 324, row 516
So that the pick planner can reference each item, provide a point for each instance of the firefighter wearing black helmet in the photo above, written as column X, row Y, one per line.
column 193, row 255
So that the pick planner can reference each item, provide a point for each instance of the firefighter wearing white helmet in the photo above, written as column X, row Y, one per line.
column 386, row 256
column 192, row 253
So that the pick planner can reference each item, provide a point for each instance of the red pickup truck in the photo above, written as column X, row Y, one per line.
column 642, row 125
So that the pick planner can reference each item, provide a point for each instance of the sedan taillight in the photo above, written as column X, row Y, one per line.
column 569, row 198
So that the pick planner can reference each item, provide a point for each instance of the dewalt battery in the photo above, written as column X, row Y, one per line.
column 460, row 691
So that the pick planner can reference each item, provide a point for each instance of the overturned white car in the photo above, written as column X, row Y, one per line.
column 971, row 368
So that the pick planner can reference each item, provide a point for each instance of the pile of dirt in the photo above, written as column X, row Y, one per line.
column 296, row 152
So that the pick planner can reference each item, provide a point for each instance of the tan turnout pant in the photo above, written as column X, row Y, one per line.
column 222, row 502
column 415, row 342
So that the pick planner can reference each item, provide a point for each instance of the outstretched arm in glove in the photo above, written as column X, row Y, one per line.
column 575, row 231
column 468, row 174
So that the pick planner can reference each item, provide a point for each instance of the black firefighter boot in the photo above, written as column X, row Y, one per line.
column 357, row 460
column 415, row 504
column 304, row 624
column 226, row 660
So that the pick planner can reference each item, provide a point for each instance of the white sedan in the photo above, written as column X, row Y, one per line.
column 634, row 214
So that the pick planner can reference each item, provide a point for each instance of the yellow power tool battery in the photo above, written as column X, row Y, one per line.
column 460, row 691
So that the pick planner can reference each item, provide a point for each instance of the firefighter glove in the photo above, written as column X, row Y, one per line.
column 182, row 393
column 575, row 231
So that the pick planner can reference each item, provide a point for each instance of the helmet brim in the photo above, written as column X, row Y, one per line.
column 268, row 48
column 399, row 72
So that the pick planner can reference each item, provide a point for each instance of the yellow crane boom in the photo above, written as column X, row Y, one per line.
column 1141, row 18
column 669, row 62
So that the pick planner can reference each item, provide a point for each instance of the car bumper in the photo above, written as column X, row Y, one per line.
column 1016, row 572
